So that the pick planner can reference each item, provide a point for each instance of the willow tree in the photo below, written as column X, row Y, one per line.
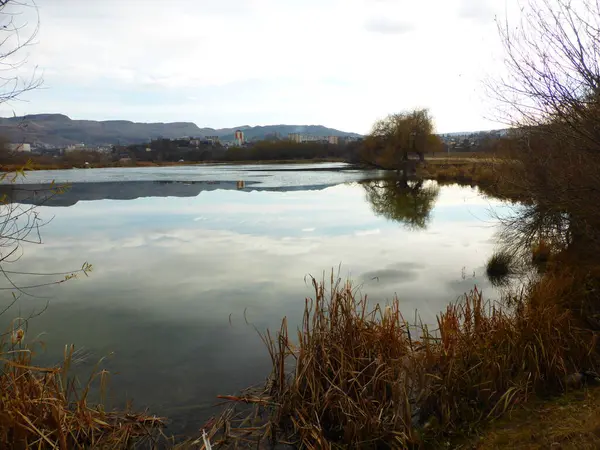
column 392, row 139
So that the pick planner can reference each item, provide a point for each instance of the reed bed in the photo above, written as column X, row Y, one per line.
column 45, row 408
column 358, row 375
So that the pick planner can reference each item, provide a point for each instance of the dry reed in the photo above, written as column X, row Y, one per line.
column 359, row 376
column 44, row 408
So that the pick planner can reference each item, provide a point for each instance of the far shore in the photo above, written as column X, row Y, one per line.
column 62, row 165
column 65, row 166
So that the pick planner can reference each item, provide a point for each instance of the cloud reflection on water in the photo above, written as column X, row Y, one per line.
column 170, row 274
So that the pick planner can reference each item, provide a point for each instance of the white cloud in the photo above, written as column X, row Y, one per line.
column 481, row 10
column 367, row 232
column 386, row 26
column 223, row 63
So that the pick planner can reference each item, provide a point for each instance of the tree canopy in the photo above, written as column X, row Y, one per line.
column 392, row 139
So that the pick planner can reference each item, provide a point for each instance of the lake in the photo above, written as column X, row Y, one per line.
column 190, row 261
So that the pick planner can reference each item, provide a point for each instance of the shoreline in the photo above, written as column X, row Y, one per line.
column 448, row 160
column 7, row 168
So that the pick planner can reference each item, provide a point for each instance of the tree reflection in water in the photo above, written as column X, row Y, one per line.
column 407, row 201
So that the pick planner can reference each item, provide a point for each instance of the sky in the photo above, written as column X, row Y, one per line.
column 226, row 63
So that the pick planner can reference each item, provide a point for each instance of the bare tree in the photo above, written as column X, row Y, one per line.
column 16, row 35
column 552, row 98
column 20, row 223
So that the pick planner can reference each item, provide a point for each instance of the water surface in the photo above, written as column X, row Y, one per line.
column 187, row 262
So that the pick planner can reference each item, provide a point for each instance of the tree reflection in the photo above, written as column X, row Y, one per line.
column 401, row 200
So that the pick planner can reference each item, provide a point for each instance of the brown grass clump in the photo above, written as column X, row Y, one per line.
column 568, row 422
column 499, row 268
column 358, row 376
column 42, row 408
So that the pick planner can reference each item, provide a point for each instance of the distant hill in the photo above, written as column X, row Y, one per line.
column 60, row 130
column 260, row 132
column 500, row 132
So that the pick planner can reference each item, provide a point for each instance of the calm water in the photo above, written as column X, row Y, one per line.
column 184, row 256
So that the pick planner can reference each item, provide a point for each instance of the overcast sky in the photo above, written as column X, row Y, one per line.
column 225, row 63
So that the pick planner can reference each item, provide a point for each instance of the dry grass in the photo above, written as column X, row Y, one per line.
column 488, row 174
column 358, row 376
column 460, row 170
column 43, row 408
column 569, row 422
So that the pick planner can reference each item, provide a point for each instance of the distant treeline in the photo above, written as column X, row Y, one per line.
column 173, row 151
column 168, row 150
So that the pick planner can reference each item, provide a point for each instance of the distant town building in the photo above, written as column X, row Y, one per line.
column 194, row 142
column 239, row 138
column 75, row 148
column 300, row 138
column 295, row 137
column 213, row 139
column 308, row 138
column 54, row 152
column 95, row 149
column 18, row 147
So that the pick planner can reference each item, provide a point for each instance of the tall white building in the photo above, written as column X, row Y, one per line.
column 239, row 138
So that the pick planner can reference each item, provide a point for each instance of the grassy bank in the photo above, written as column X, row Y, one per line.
column 487, row 174
column 567, row 422
column 461, row 170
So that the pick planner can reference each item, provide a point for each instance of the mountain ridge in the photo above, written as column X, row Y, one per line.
column 55, row 129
